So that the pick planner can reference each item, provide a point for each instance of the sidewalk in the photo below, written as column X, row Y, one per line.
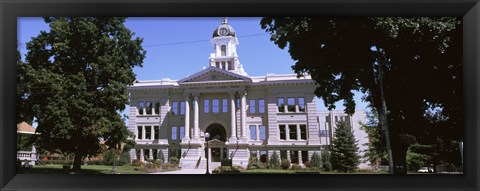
column 185, row 171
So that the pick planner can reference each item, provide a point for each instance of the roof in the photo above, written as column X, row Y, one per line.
column 25, row 128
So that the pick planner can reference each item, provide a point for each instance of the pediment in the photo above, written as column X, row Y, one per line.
column 213, row 74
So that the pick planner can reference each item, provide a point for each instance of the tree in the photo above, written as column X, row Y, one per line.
column 274, row 161
column 421, row 61
column 345, row 155
column 376, row 152
column 315, row 160
column 326, row 164
column 77, row 76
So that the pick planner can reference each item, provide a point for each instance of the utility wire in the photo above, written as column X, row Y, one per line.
column 197, row 41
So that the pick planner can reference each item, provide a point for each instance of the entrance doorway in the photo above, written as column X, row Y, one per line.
column 216, row 143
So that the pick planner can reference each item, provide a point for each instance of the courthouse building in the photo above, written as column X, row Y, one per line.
column 244, row 115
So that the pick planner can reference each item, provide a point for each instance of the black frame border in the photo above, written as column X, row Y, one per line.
column 10, row 10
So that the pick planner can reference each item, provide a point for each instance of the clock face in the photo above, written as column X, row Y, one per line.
column 223, row 31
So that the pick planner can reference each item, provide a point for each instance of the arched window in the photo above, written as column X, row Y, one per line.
column 224, row 50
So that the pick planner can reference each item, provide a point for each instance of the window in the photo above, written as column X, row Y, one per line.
column 230, row 65
column 156, row 129
column 294, row 156
column 253, row 132
column 148, row 132
column 324, row 133
column 141, row 105
column 263, row 156
column 182, row 132
column 217, row 64
column 293, row 132
column 301, row 104
column 283, row 155
column 263, row 133
column 157, row 108
column 215, row 106
column 206, row 106
column 303, row 132
column 282, row 132
column 304, row 156
column 139, row 129
column 252, row 106
column 281, row 104
column 149, row 108
column 223, row 50
column 155, row 154
column 174, row 133
column 174, row 108
column 238, row 103
column 224, row 66
column 261, row 105
column 291, row 104
column 224, row 105
column 182, row 108
column 146, row 154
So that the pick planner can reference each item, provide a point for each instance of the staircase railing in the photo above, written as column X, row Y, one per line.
column 198, row 162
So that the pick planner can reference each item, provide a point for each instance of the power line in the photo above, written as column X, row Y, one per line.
column 197, row 41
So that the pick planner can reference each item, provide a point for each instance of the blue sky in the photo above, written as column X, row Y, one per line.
column 178, row 47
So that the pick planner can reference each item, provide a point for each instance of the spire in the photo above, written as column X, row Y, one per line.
column 225, row 20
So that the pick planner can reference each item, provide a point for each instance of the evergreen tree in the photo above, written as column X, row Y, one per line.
column 316, row 161
column 76, row 77
column 376, row 152
column 274, row 161
column 326, row 164
column 345, row 155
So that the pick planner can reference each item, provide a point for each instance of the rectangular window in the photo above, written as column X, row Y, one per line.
column 304, row 156
column 261, row 105
column 215, row 105
column 140, row 107
column 291, row 104
column 224, row 105
column 174, row 133
column 182, row 132
column 149, row 107
column 252, row 106
column 294, row 157
column 146, row 154
column 238, row 103
column 230, row 65
column 156, row 129
column 217, row 64
column 301, row 104
column 263, row 156
column 155, row 154
column 293, row 132
column 174, row 108
column 283, row 155
column 263, row 133
column 281, row 105
column 148, row 131
column 157, row 108
column 182, row 108
column 282, row 132
column 139, row 129
column 303, row 132
column 206, row 106
column 253, row 132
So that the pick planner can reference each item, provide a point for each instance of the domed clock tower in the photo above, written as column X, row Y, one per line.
column 224, row 54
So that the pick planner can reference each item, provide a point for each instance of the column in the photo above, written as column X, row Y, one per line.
column 244, row 116
column 152, row 132
column 143, row 132
column 150, row 154
column 233, row 136
column 300, row 157
column 187, row 119
column 141, row 155
column 287, row 132
column 298, row 132
column 195, row 117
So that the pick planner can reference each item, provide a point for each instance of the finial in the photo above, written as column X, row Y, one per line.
column 224, row 21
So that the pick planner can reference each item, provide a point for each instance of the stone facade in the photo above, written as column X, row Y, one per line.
column 243, row 114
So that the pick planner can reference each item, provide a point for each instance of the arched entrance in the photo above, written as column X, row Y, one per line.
column 216, row 142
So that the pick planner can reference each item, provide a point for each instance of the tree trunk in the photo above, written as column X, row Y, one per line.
column 77, row 162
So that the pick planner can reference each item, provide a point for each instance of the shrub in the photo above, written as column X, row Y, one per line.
column 296, row 167
column 285, row 164
column 95, row 162
column 327, row 166
column 136, row 162
column 315, row 160
column 124, row 159
column 274, row 161
column 174, row 160
column 308, row 164
column 252, row 162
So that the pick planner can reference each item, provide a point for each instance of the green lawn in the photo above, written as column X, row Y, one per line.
column 86, row 169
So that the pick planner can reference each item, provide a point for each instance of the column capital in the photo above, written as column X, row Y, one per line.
column 196, row 94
